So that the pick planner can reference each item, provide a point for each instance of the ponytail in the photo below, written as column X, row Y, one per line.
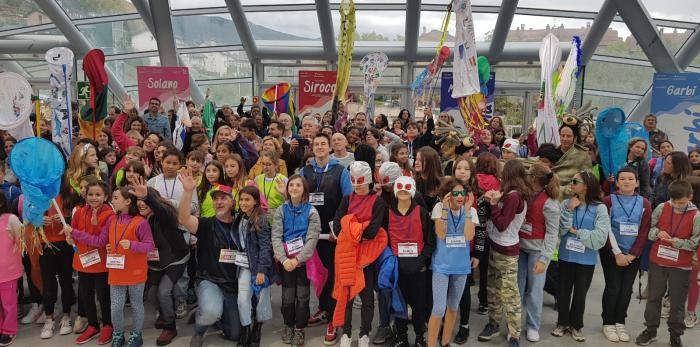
column 547, row 179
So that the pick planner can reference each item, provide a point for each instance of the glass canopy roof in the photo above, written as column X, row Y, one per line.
column 286, row 36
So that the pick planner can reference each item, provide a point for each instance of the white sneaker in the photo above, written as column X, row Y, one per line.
column 611, row 333
column 364, row 341
column 80, row 325
column 42, row 318
column 533, row 335
column 690, row 320
column 345, row 341
column 665, row 307
column 34, row 312
column 47, row 329
column 66, row 327
column 622, row 333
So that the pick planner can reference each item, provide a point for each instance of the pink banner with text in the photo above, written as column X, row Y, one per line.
column 164, row 83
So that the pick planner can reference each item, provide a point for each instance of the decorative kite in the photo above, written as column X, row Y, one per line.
column 546, row 121
column 208, row 115
column 93, row 115
column 372, row 66
column 566, row 85
column 612, row 140
column 423, row 81
column 60, row 61
column 15, row 102
column 346, row 44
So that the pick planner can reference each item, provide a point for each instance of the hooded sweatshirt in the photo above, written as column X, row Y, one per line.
column 333, row 181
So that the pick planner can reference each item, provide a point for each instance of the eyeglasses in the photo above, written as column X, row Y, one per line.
column 456, row 193
column 576, row 181
column 357, row 180
column 401, row 186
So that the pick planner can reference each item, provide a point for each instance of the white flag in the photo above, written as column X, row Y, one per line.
column 60, row 61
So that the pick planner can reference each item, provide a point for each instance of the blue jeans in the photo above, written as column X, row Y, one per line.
column 532, row 298
column 263, row 309
column 219, row 307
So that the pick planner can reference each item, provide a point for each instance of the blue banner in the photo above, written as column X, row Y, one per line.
column 450, row 105
column 676, row 103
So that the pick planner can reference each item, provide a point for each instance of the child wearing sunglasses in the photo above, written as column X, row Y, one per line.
column 412, row 241
column 455, row 219
column 358, row 224
column 584, row 227
column 508, row 211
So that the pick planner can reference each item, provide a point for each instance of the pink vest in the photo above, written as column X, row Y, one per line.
column 10, row 256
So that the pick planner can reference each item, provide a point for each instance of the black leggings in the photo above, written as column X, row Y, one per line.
column 34, row 292
column 413, row 288
column 90, row 284
column 326, row 251
column 367, row 309
column 295, row 297
column 57, row 260
column 465, row 303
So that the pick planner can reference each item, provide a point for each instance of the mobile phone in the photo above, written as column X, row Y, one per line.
column 303, row 142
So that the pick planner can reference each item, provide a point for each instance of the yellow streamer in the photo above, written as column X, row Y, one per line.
column 445, row 24
column 347, row 41
column 37, row 116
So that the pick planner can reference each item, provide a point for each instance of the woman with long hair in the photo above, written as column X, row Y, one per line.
column 676, row 166
column 83, row 161
column 399, row 155
column 213, row 178
column 428, row 174
column 637, row 150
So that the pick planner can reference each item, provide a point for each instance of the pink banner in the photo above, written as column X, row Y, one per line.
column 316, row 91
column 162, row 82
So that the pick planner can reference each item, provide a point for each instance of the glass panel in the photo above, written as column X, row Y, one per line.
column 683, row 10
column 518, row 75
column 276, row 2
column 205, row 31
column 120, row 36
column 535, row 28
column 390, row 75
column 588, row 5
column 77, row 9
column 604, row 102
column 512, row 107
column 377, row 26
column 126, row 69
column 615, row 77
column 431, row 28
column 181, row 4
column 286, row 73
column 35, row 68
column 21, row 13
column 216, row 65
column 387, row 104
column 674, row 37
column 296, row 26
column 619, row 42
column 474, row 2
column 229, row 93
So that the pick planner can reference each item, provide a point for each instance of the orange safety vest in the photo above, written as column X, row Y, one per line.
column 135, row 269
column 82, row 222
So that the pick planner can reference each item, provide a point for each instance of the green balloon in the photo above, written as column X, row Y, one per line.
column 484, row 69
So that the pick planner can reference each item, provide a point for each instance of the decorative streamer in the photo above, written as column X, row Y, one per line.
column 208, row 115
column 347, row 42
column 93, row 116
column 372, row 66
column 546, row 121
column 181, row 123
column 60, row 61
column 566, row 87
column 424, row 80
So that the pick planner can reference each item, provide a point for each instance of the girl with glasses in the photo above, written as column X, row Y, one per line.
column 584, row 228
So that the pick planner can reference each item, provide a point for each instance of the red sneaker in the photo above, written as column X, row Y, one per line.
column 105, row 335
column 318, row 318
column 90, row 333
column 331, row 336
column 166, row 336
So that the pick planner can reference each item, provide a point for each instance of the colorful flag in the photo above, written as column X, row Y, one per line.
column 92, row 116
column 60, row 61
column 278, row 99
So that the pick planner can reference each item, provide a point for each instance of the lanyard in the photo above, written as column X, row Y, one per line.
column 578, row 224
column 227, row 235
column 629, row 215
column 323, row 173
column 680, row 222
column 265, row 190
column 116, row 224
column 452, row 219
column 172, row 190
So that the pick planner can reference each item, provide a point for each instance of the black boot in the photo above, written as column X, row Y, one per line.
column 244, row 339
column 256, row 334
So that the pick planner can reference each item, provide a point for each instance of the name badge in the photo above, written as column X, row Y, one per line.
column 227, row 256
column 294, row 246
column 455, row 241
column 90, row 258
column 575, row 245
column 408, row 249
column 668, row 253
column 526, row 228
column 629, row 229
column 115, row 261
column 241, row 259
column 316, row 199
column 153, row 255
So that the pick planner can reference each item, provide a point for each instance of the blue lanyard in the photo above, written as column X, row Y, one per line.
column 172, row 190
column 227, row 235
column 319, row 181
column 673, row 230
column 452, row 219
column 629, row 215
column 578, row 224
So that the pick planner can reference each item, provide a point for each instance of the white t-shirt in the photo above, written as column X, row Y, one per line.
column 172, row 190
column 437, row 213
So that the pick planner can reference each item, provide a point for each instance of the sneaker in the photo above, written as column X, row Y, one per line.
column 577, row 334
column 298, row 338
column 622, row 333
column 611, row 333
column 6, row 340
column 87, row 335
column 665, row 307
column 462, row 335
column 34, row 313
column 646, row 337
column 400, row 341
column 513, row 342
column 159, row 323
column 690, row 320
column 363, row 341
column 483, row 309
column 318, row 318
column 533, row 335
column 81, row 323
column 41, row 319
column 66, row 327
column 166, row 337
column 331, row 336
column 197, row 340
column 676, row 341
column 118, row 339
column 345, row 341
column 490, row 331
column 357, row 303
column 420, row 341
column 287, row 335
column 560, row 331
column 47, row 329
column 135, row 340
column 105, row 335
column 181, row 310
column 382, row 335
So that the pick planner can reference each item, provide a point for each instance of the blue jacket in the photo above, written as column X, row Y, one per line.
column 159, row 124
column 11, row 192
column 345, row 184
column 388, row 280
column 258, row 247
